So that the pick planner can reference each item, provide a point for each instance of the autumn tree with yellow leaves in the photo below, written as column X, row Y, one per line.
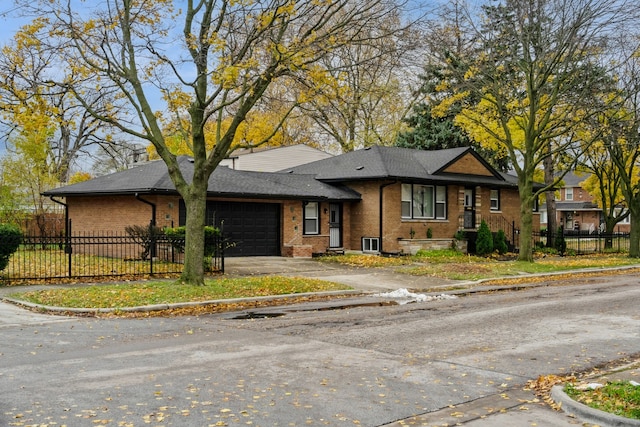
column 211, row 62
column 620, row 142
column 604, row 183
column 361, row 92
column 28, row 92
column 26, row 172
column 260, row 127
column 625, row 155
column 535, row 74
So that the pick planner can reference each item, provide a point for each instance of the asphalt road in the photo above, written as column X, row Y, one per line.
column 300, row 365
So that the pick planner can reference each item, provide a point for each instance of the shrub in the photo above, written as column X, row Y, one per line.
column 10, row 240
column 542, row 249
column 177, row 235
column 484, row 241
column 212, row 244
column 500, row 242
column 142, row 234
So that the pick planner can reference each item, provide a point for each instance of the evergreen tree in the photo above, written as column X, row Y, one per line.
column 436, row 133
column 484, row 241
column 430, row 133
column 10, row 240
column 500, row 242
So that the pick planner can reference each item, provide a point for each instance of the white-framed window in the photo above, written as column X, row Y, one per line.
column 568, row 193
column 495, row 200
column 370, row 244
column 406, row 200
column 311, row 218
column 424, row 201
column 441, row 202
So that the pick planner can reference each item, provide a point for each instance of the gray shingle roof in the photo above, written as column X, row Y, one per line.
column 152, row 178
column 573, row 179
column 378, row 162
column 319, row 180
column 576, row 206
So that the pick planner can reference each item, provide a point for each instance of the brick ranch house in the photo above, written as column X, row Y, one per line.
column 378, row 199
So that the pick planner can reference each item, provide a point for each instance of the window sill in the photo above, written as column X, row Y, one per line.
column 423, row 220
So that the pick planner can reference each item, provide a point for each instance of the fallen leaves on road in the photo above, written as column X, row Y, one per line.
column 220, row 307
column 544, row 383
column 558, row 279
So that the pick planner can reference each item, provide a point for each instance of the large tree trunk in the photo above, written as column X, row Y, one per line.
column 610, row 225
column 634, row 235
column 526, row 219
column 195, row 203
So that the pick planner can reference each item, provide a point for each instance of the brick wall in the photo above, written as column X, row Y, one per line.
column 509, row 204
column 360, row 219
column 364, row 220
column 111, row 214
column 469, row 164
column 365, row 217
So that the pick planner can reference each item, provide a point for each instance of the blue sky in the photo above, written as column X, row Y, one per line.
column 9, row 21
column 9, row 24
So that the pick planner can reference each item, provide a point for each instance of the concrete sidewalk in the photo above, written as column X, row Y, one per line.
column 362, row 279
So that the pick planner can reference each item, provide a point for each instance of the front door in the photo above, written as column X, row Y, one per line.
column 335, row 225
column 469, row 209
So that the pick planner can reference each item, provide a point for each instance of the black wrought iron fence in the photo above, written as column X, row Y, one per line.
column 98, row 255
column 582, row 243
column 576, row 242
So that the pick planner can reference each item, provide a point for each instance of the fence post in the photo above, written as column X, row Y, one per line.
column 618, row 243
column 221, row 245
column 67, row 246
column 152, row 242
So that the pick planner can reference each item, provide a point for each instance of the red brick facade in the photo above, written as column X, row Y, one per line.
column 111, row 214
column 379, row 218
column 365, row 218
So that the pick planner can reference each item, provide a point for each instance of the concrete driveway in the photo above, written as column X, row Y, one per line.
column 364, row 279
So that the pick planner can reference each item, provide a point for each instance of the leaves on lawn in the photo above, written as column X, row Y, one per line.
column 165, row 292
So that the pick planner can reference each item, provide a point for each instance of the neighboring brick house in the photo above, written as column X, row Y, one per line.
column 575, row 209
column 371, row 200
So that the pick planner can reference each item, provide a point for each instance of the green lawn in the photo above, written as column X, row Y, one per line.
column 619, row 397
column 165, row 292
column 446, row 263
column 455, row 265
